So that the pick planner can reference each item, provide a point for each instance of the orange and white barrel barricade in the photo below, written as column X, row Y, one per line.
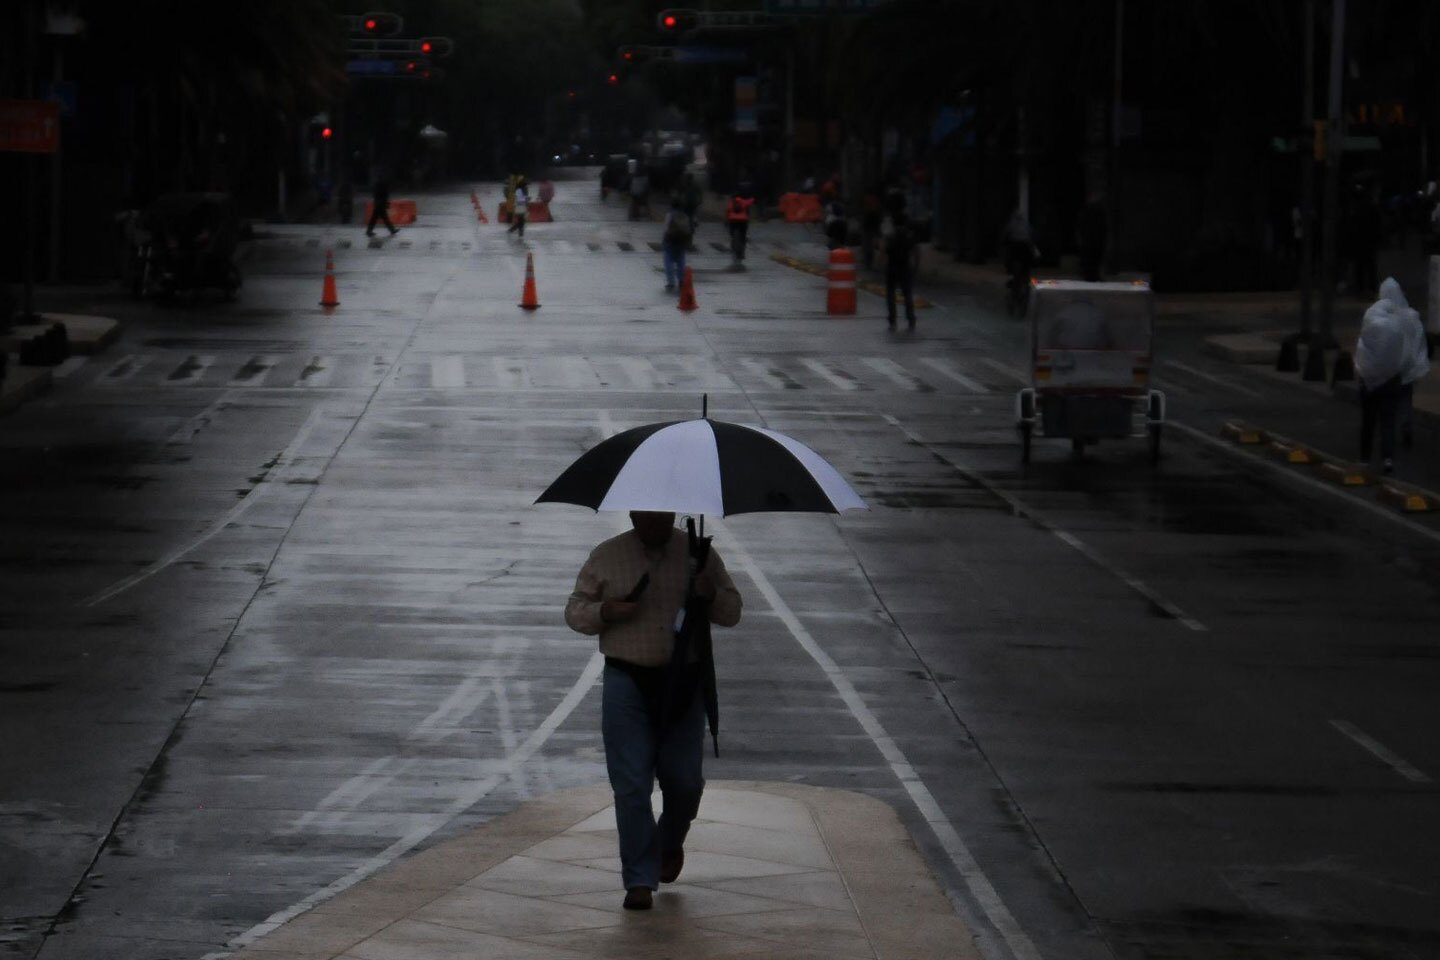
column 841, row 298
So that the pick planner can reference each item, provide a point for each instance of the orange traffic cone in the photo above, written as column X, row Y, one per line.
column 329, row 260
column 528, row 300
column 328, row 296
column 687, row 291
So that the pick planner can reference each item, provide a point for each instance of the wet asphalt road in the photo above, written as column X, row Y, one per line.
column 277, row 608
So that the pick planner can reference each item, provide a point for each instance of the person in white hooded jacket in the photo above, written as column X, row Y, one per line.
column 1390, row 355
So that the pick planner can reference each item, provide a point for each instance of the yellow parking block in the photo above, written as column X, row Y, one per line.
column 1242, row 432
column 1345, row 474
column 1409, row 501
column 1293, row 453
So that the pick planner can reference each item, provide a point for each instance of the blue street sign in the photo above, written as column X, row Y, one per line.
column 710, row 55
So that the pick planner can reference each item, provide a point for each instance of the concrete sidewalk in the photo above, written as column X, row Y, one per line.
column 87, row 335
column 772, row 870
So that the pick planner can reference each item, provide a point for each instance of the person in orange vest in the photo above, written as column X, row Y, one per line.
column 737, row 218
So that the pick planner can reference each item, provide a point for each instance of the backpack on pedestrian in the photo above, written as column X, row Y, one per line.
column 679, row 228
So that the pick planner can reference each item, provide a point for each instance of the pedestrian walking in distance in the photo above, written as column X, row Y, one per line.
column 520, row 208
column 631, row 592
column 380, row 206
column 1390, row 355
column 900, row 253
column 737, row 221
column 679, row 228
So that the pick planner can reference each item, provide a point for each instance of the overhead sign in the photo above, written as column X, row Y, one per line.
column 29, row 126
column 710, row 55
column 791, row 7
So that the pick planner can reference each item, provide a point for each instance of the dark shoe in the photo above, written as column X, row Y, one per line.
column 671, row 865
column 369, row 233
column 910, row 323
column 393, row 232
column 638, row 898
column 1388, row 465
column 890, row 321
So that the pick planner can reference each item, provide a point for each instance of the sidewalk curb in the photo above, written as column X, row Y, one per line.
column 1399, row 495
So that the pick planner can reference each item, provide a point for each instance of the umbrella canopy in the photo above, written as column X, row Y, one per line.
column 703, row 466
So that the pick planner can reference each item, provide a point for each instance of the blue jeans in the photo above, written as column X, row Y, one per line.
column 674, row 262
column 635, row 755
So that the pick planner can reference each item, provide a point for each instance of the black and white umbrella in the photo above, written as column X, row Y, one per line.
column 703, row 467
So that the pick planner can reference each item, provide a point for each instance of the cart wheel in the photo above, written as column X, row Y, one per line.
column 1077, row 447
column 1155, row 444
column 1026, row 429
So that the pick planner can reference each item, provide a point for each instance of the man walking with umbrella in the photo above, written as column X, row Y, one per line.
column 642, row 592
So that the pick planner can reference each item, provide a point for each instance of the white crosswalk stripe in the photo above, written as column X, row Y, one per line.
column 255, row 371
column 946, row 369
column 896, row 374
column 821, row 369
column 447, row 372
column 317, row 373
column 191, row 370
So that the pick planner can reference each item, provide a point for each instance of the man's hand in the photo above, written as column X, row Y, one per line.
column 703, row 586
column 618, row 611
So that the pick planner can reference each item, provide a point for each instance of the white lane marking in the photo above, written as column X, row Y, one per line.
column 1008, row 371
column 272, row 479
column 835, row 380
column 255, row 371
column 509, row 373
column 761, row 369
column 67, row 366
column 1218, row 381
column 317, row 372
column 1314, row 483
column 464, row 700
column 191, row 370
column 895, row 373
column 1384, row 753
column 447, row 372
column 641, row 373
column 127, row 367
column 506, row 768
column 1134, row 583
column 946, row 370
column 199, row 422
column 576, row 374
column 979, row 885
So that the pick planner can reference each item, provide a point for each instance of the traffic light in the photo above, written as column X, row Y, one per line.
column 613, row 79
column 437, row 46
column 627, row 54
column 380, row 24
column 675, row 22
column 326, row 133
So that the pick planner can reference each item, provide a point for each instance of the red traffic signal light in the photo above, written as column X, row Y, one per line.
column 613, row 79
column 437, row 46
column 676, row 21
column 326, row 133
column 380, row 24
